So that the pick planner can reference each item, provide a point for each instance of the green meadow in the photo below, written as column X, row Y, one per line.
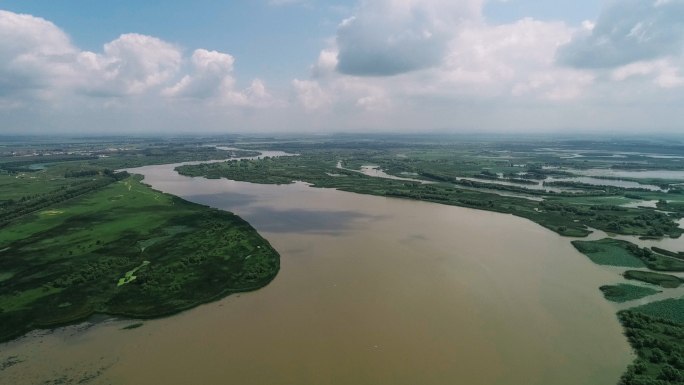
column 625, row 292
column 124, row 249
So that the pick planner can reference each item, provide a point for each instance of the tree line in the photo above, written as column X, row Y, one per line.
column 26, row 205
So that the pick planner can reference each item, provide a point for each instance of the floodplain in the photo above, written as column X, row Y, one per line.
column 375, row 214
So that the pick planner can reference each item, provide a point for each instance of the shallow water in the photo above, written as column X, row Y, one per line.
column 636, row 204
column 660, row 174
column 371, row 290
column 607, row 182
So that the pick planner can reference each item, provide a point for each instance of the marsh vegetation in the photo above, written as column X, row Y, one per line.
column 70, row 232
column 80, row 238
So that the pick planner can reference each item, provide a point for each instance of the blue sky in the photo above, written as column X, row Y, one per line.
column 348, row 65
column 271, row 42
column 571, row 11
column 274, row 42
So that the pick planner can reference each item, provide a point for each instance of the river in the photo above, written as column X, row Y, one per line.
column 371, row 290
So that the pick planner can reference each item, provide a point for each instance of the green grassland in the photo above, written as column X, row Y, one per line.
column 671, row 309
column 616, row 252
column 663, row 280
column 624, row 292
column 609, row 252
column 16, row 186
column 64, row 263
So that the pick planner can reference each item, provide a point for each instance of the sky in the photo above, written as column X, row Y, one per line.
column 312, row 66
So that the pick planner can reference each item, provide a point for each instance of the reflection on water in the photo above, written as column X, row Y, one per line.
column 658, row 174
column 636, row 204
column 371, row 290
column 607, row 182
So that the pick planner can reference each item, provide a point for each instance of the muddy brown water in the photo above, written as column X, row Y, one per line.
column 372, row 290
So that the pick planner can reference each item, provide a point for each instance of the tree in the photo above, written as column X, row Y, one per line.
column 613, row 226
column 640, row 367
column 668, row 373
column 657, row 356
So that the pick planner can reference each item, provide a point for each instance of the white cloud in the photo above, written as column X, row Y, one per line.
column 39, row 62
column 634, row 43
column 326, row 64
column 212, row 76
column 213, row 80
column 37, row 59
column 27, row 44
column 310, row 94
column 393, row 64
column 628, row 31
column 375, row 102
column 489, row 62
column 662, row 72
column 509, row 58
column 389, row 37
column 130, row 65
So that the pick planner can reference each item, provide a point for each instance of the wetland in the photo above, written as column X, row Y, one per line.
column 400, row 262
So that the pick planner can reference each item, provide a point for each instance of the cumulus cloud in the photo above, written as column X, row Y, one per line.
column 310, row 94
column 213, row 80
column 662, row 72
column 39, row 62
column 212, row 76
column 411, row 64
column 27, row 43
column 375, row 101
column 130, row 65
column 326, row 64
column 37, row 58
column 628, row 31
column 389, row 37
column 514, row 61
column 446, row 48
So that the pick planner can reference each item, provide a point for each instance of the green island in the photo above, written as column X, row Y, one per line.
column 658, row 279
column 616, row 252
column 78, row 239
column 625, row 292
column 609, row 252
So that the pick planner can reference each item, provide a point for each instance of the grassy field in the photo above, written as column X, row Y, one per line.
column 16, row 186
column 663, row 280
column 616, row 252
column 609, row 252
column 670, row 309
column 625, row 292
column 65, row 263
